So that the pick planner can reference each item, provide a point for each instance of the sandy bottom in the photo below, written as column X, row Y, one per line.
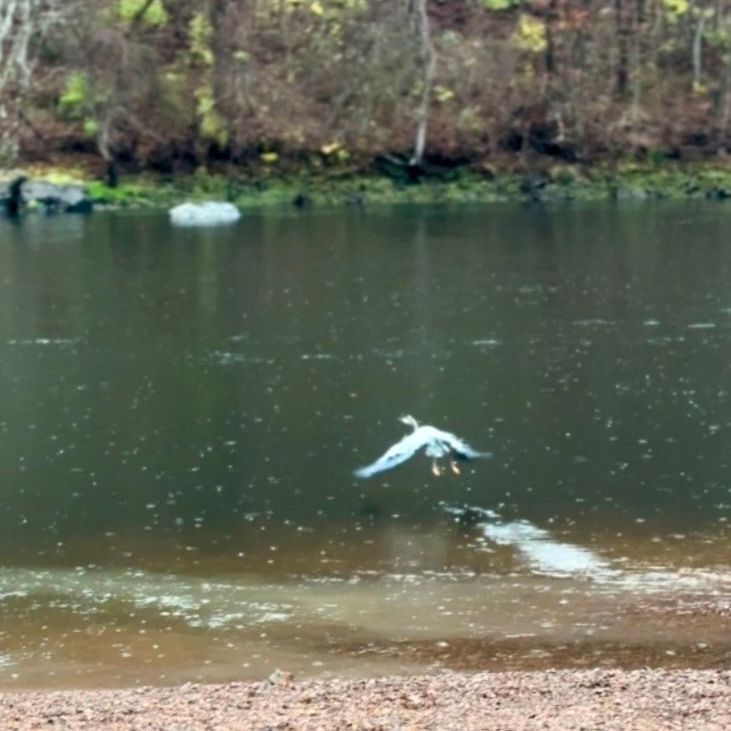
column 560, row 699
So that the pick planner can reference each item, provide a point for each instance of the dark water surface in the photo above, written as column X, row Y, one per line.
column 181, row 412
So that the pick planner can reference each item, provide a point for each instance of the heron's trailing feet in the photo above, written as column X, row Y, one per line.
column 438, row 471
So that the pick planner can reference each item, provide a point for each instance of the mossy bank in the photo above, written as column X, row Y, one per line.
column 271, row 189
column 485, row 185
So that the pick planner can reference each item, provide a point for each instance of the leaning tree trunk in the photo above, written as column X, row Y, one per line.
column 428, row 61
column 23, row 24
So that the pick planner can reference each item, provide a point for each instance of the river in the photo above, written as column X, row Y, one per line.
column 181, row 412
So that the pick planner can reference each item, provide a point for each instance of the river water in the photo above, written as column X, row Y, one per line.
column 181, row 412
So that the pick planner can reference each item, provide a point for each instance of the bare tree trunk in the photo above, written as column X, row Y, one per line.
column 23, row 24
column 550, row 52
column 218, row 14
column 635, row 77
column 621, row 32
column 429, row 61
column 15, row 32
column 697, row 51
column 725, row 102
column 284, row 32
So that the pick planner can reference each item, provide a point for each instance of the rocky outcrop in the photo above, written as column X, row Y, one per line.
column 210, row 213
column 18, row 191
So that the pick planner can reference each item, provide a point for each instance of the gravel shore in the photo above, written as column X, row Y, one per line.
column 562, row 699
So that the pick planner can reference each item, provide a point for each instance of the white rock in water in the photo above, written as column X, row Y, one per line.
column 210, row 213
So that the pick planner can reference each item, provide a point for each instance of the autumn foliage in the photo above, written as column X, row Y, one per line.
column 176, row 84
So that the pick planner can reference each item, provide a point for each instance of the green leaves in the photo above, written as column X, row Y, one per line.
column 211, row 124
column 75, row 96
column 499, row 4
column 442, row 94
column 531, row 34
column 153, row 15
column 676, row 8
column 78, row 102
column 199, row 40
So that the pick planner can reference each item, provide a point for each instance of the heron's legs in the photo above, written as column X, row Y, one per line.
column 435, row 467
column 454, row 466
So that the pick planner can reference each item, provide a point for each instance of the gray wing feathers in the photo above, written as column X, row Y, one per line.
column 395, row 455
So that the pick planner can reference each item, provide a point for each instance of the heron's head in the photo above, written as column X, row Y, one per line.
column 409, row 421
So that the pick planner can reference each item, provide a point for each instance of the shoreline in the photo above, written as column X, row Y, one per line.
column 307, row 188
column 645, row 700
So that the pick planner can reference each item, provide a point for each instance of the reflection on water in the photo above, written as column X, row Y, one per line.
column 181, row 412
column 542, row 552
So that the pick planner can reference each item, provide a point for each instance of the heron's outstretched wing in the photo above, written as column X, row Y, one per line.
column 393, row 456
column 461, row 449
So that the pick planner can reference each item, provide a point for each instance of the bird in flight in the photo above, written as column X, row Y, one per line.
column 436, row 444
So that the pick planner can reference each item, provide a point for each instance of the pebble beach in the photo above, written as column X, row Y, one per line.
column 568, row 700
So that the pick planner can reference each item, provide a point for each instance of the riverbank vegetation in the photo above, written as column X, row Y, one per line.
column 486, row 94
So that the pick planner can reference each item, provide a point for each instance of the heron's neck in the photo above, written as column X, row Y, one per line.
column 412, row 422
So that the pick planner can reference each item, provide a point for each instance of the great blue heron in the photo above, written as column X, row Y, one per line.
column 437, row 443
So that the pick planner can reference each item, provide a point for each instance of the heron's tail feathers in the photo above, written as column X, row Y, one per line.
column 468, row 454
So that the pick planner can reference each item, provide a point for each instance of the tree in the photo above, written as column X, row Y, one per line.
column 428, row 62
column 339, row 83
column 23, row 26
